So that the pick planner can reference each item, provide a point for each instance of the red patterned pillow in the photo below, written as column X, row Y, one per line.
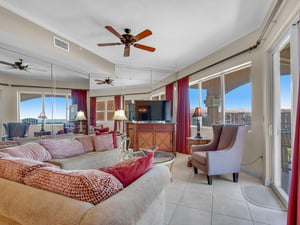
column 91, row 186
column 87, row 142
column 129, row 173
column 30, row 151
column 62, row 148
column 103, row 142
column 13, row 168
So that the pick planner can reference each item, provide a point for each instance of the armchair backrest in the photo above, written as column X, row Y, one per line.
column 16, row 129
column 227, row 136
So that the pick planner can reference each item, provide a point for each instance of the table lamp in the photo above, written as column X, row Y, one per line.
column 80, row 116
column 197, row 114
column 43, row 117
column 119, row 115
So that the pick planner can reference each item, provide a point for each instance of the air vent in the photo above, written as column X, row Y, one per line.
column 61, row 44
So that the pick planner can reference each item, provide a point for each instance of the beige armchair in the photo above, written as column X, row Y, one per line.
column 223, row 154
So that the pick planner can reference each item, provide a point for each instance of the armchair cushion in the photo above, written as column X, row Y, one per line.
column 200, row 157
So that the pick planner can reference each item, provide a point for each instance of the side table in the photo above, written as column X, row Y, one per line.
column 195, row 141
column 42, row 133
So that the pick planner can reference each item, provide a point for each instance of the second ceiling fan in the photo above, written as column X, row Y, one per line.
column 127, row 39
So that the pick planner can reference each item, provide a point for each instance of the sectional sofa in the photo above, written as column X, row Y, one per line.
column 25, row 201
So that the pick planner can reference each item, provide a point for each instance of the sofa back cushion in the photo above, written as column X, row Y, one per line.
column 87, row 143
column 14, row 168
column 127, row 173
column 62, row 148
column 33, row 151
column 103, row 142
column 91, row 186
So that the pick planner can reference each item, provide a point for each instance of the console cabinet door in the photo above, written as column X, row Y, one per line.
column 145, row 139
column 164, row 141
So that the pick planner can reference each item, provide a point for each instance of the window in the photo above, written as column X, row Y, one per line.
column 238, row 97
column 56, row 107
column 224, row 97
column 105, row 110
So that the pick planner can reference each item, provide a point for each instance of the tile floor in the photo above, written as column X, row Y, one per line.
column 189, row 200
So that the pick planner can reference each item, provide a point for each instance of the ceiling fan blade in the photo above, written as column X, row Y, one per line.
column 142, row 35
column 114, row 32
column 144, row 47
column 6, row 63
column 126, row 51
column 108, row 44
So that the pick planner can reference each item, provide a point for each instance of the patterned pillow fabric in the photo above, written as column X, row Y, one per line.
column 62, row 148
column 13, row 168
column 30, row 151
column 87, row 142
column 103, row 142
column 91, row 186
column 129, row 173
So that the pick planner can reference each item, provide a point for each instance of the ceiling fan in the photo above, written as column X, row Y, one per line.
column 105, row 81
column 17, row 65
column 20, row 65
column 127, row 39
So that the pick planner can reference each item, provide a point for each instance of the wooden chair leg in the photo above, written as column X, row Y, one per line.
column 195, row 170
column 235, row 177
column 209, row 180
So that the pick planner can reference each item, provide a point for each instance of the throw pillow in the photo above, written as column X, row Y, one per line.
column 14, row 168
column 62, row 148
column 103, row 142
column 30, row 151
column 129, row 173
column 92, row 186
column 87, row 142
column 114, row 136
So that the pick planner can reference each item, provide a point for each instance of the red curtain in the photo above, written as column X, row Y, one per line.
column 79, row 98
column 183, row 129
column 294, row 194
column 93, row 119
column 170, row 95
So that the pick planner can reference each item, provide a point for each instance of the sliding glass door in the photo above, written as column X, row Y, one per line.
column 285, row 86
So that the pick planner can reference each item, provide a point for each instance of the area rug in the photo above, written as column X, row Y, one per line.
column 262, row 196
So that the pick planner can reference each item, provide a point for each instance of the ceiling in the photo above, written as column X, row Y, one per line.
column 182, row 32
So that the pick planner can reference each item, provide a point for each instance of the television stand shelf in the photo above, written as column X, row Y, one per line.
column 146, row 135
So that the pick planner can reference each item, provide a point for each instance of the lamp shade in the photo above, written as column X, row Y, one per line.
column 80, row 116
column 42, row 115
column 119, row 115
column 197, row 112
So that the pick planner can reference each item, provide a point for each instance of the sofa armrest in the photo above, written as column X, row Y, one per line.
column 142, row 202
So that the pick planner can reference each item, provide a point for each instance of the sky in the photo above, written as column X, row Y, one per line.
column 239, row 98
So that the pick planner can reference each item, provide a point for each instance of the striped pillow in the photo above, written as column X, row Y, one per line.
column 91, row 186
column 30, row 151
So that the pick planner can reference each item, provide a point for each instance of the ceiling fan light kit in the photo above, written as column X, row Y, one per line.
column 127, row 39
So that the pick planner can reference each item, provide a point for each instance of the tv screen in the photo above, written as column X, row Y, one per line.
column 151, row 111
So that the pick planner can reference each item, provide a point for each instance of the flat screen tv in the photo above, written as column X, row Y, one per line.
column 154, row 110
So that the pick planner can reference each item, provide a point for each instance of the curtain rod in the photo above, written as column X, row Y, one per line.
column 33, row 86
